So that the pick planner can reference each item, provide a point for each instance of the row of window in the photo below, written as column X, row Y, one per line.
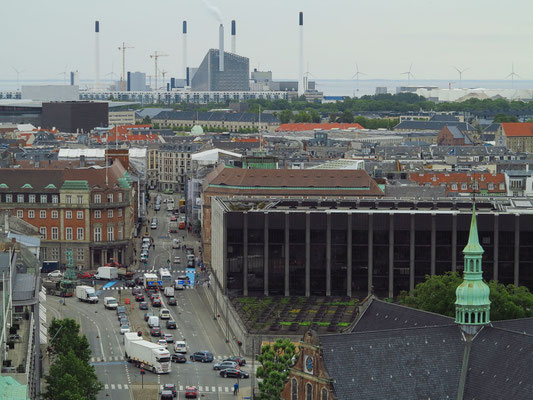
column 52, row 253
column 80, row 233
column 464, row 186
column 69, row 199
column 68, row 214
column 308, row 391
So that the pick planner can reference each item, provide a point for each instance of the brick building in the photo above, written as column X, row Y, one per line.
column 464, row 183
column 89, row 210
column 453, row 136
column 516, row 136
column 308, row 377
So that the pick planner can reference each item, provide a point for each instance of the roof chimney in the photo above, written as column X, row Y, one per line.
column 221, row 48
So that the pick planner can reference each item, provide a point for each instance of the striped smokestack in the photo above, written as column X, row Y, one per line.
column 301, row 61
column 97, row 54
column 221, row 48
column 233, row 37
column 184, row 49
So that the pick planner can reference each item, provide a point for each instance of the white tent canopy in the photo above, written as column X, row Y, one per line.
column 212, row 156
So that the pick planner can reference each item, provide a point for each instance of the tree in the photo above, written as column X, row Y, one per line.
column 285, row 116
column 147, row 120
column 505, row 118
column 71, row 378
column 275, row 360
column 65, row 335
column 437, row 294
column 347, row 117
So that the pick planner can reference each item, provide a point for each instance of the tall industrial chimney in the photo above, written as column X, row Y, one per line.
column 233, row 41
column 97, row 54
column 185, row 49
column 301, row 88
column 221, row 48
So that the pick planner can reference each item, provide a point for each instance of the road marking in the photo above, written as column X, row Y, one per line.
column 106, row 386
column 181, row 388
column 227, row 389
column 200, row 388
column 125, row 386
column 119, row 386
column 213, row 389
column 220, row 388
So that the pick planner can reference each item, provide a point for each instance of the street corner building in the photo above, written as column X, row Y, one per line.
column 396, row 352
column 89, row 210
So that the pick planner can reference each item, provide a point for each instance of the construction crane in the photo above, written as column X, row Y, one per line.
column 156, row 56
column 123, row 79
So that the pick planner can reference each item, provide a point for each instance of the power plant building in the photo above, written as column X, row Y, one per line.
column 233, row 77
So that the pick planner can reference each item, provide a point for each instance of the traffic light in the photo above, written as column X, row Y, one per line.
column 239, row 343
column 139, row 333
column 142, row 371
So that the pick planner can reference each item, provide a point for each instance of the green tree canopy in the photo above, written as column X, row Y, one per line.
column 71, row 378
column 437, row 294
column 66, row 337
column 505, row 118
column 275, row 360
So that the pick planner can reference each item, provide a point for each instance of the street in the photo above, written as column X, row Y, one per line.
column 195, row 326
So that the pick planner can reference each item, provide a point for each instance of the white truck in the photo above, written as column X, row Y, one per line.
column 86, row 294
column 169, row 291
column 107, row 273
column 145, row 354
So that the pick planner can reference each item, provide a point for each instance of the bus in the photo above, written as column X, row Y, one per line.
column 166, row 276
column 151, row 281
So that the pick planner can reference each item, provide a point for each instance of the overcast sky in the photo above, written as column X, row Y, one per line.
column 383, row 36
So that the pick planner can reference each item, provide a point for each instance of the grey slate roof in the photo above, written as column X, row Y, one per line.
column 381, row 315
column 432, row 125
column 444, row 118
column 403, row 364
column 522, row 325
column 500, row 366
column 492, row 128
column 457, row 134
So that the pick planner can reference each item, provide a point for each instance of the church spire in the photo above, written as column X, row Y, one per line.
column 472, row 305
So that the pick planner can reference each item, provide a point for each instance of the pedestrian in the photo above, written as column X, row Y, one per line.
column 235, row 389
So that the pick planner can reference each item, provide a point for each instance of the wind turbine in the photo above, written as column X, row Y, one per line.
column 18, row 76
column 460, row 72
column 356, row 76
column 409, row 74
column 512, row 75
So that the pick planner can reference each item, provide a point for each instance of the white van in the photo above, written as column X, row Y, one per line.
column 180, row 347
column 164, row 313
column 154, row 223
column 110, row 303
column 153, row 321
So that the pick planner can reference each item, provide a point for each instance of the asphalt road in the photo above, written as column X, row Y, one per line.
column 192, row 315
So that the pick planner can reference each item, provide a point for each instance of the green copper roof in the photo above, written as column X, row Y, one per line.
column 26, row 186
column 4, row 186
column 472, row 305
column 473, row 246
column 75, row 185
column 50, row 186
column 124, row 183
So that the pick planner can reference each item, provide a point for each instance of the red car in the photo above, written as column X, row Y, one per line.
column 173, row 218
column 191, row 392
column 85, row 275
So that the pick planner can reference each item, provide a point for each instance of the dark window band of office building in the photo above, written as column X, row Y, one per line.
column 354, row 252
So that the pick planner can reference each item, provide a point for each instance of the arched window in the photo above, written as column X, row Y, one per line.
column 467, row 318
column 324, row 394
column 294, row 389
column 309, row 391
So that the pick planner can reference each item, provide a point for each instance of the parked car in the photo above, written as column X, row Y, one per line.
column 171, row 324
column 171, row 388
column 124, row 321
column 225, row 365
column 178, row 358
column 234, row 373
column 122, row 315
column 155, row 331
column 55, row 274
column 191, row 392
column 125, row 328
column 121, row 309
column 239, row 360
column 169, row 337
column 147, row 315
column 172, row 301
column 143, row 305
column 85, row 275
column 202, row 356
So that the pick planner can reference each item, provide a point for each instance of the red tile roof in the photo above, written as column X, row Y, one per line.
column 448, row 179
column 513, row 129
column 305, row 126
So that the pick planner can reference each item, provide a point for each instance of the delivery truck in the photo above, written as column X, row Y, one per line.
column 107, row 273
column 86, row 294
column 57, row 288
column 144, row 354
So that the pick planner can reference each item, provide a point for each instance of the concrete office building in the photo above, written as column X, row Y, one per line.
column 73, row 116
column 117, row 118
column 352, row 247
column 234, row 77
column 136, row 82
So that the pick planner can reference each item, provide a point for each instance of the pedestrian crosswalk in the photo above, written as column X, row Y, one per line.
column 172, row 270
column 106, row 359
column 128, row 288
column 180, row 388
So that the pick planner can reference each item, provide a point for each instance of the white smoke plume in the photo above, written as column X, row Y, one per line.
column 214, row 10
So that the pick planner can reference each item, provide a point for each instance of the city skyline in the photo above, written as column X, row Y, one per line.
column 435, row 38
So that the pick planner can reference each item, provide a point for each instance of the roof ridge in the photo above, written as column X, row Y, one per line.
column 392, row 330
column 417, row 309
